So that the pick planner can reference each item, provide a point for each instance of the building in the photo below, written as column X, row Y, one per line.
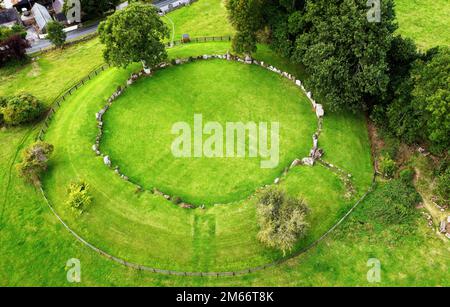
column 9, row 17
column 41, row 16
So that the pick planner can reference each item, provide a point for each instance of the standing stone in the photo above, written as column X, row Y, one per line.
column 106, row 160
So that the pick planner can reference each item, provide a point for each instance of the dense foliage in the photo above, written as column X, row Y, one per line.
column 420, row 109
column 393, row 203
column 282, row 219
column 12, row 44
column 125, row 44
column 34, row 162
column 56, row 34
column 20, row 109
column 79, row 197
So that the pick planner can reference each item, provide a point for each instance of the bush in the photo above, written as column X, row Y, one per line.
column 13, row 48
column 34, row 162
column 406, row 175
column 21, row 109
column 56, row 34
column 79, row 198
column 442, row 189
column 282, row 219
column 3, row 102
column 386, row 166
column 392, row 203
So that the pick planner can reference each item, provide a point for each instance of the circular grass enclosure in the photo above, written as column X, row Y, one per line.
column 144, row 228
column 137, row 129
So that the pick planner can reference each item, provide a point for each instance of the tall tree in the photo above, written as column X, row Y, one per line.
column 246, row 17
column 282, row 219
column 345, row 52
column 134, row 34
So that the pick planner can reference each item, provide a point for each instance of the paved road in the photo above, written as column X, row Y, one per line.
column 45, row 43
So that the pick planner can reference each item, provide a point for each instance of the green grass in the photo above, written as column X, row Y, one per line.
column 424, row 21
column 222, row 92
column 53, row 72
column 34, row 246
column 202, row 18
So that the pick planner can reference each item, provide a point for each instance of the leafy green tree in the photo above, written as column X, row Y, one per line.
column 20, row 109
column 282, row 219
column 134, row 34
column 34, row 162
column 56, row 34
column 246, row 17
column 421, row 105
column 344, row 53
column 79, row 197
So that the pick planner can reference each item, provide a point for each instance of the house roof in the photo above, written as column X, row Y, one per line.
column 8, row 16
column 41, row 15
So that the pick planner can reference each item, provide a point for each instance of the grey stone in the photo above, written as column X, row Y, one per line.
column 107, row 161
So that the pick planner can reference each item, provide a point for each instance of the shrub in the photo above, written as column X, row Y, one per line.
column 79, row 198
column 406, row 175
column 3, row 102
column 21, row 109
column 12, row 48
column 56, row 34
column 442, row 189
column 34, row 162
column 386, row 166
column 282, row 219
column 392, row 203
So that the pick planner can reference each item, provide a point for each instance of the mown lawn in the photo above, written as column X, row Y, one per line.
column 34, row 247
column 425, row 21
column 202, row 18
column 222, row 92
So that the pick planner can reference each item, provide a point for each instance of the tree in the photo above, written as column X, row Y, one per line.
column 421, row 105
column 282, row 219
column 134, row 34
column 34, row 162
column 20, row 109
column 246, row 17
column 56, row 34
column 79, row 197
column 344, row 53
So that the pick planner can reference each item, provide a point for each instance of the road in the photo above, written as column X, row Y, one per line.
column 45, row 43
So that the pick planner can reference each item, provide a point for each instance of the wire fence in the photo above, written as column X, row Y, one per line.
column 203, row 39
column 58, row 101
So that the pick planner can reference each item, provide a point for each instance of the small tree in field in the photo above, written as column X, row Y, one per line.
column 56, row 34
column 282, row 220
column 79, row 197
column 34, row 162
column 134, row 34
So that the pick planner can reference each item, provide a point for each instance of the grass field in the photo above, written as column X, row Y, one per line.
column 424, row 21
column 34, row 247
column 202, row 18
